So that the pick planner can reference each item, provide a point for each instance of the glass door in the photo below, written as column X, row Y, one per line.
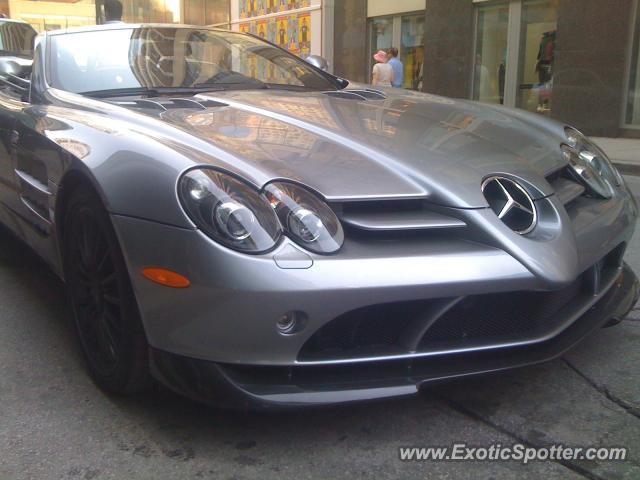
column 514, row 54
column 380, row 38
column 632, row 114
column 537, row 54
column 406, row 33
column 412, row 50
column 490, row 61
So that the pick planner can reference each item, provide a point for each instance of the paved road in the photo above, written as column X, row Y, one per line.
column 55, row 424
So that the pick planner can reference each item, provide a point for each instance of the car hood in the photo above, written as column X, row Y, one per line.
column 349, row 147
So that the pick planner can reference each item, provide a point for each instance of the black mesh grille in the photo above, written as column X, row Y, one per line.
column 378, row 330
column 375, row 330
column 391, row 329
column 496, row 316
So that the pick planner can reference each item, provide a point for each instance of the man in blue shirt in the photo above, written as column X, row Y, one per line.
column 398, row 68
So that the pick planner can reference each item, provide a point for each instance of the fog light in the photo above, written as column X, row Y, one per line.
column 291, row 322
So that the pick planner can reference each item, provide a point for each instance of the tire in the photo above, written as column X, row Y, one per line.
column 106, row 315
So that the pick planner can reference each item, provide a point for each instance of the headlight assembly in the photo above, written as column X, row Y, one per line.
column 591, row 157
column 229, row 211
column 305, row 217
column 586, row 173
column 236, row 215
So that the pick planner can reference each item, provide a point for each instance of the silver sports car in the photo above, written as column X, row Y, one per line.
column 254, row 232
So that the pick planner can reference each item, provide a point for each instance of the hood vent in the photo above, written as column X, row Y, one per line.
column 381, row 218
column 164, row 104
column 365, row 94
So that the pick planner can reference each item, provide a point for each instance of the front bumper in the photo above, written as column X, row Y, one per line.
column 272, row 387
column 217, row 341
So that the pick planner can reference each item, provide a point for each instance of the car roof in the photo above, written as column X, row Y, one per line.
column 127, row 26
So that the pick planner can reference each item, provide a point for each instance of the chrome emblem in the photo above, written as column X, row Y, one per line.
column 511, row 203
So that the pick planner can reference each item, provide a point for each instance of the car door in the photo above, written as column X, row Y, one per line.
column 16, row 58
column 11, row 108
column 28, row 161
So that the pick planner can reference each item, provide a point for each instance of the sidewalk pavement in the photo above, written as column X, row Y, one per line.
column 623, row 152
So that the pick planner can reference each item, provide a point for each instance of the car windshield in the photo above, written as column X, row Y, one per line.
column 16, row 39
column 173, row 58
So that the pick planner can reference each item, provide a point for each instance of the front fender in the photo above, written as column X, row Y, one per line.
column 134, row 172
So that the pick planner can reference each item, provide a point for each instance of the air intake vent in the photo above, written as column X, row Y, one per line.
column 380, row 217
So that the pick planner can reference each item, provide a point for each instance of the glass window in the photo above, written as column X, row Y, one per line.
column 49, row 15
column 216, row 12
column 412, row 50
column 54, row 15
column 160, row 11
column 194, row 12
column 206, row 12
column 537, row 53
column 381, row 37
column 131, row 58
column 406, row 33
column 490, row 63
column 633, row 96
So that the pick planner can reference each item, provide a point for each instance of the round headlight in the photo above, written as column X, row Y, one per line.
column 574, row 137
column 305, row 225
column 306, row 218
column 235, row 220
column 593, row 155
column 229, row 211
column 585, row 172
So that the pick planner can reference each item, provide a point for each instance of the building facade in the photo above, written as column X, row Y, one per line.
column 574, row 60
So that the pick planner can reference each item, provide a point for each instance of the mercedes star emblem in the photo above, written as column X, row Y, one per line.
column 511, row 203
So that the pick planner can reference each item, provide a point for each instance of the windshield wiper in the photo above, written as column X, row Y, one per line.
column 123, row 92
column 230, row 85
column 288, row 86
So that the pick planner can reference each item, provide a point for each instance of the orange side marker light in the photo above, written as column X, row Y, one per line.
column 166, row 278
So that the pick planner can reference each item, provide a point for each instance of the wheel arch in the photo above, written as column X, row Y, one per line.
column 78, row 176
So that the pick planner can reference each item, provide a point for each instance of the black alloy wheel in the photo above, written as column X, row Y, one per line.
column 106, row 315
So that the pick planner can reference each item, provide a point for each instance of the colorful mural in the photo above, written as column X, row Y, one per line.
column 289, row 31
column 257, row 8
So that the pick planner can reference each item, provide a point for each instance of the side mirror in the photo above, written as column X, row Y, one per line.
column 318, row 62
column 15, row 67
column 322, row 64
column 15, row 73
column 342, row 82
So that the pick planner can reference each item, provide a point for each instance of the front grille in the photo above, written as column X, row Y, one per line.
column 403, row 328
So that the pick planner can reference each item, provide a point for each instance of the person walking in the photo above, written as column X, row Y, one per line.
column 112, row 11
column 398, row 68
column 382, row 75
